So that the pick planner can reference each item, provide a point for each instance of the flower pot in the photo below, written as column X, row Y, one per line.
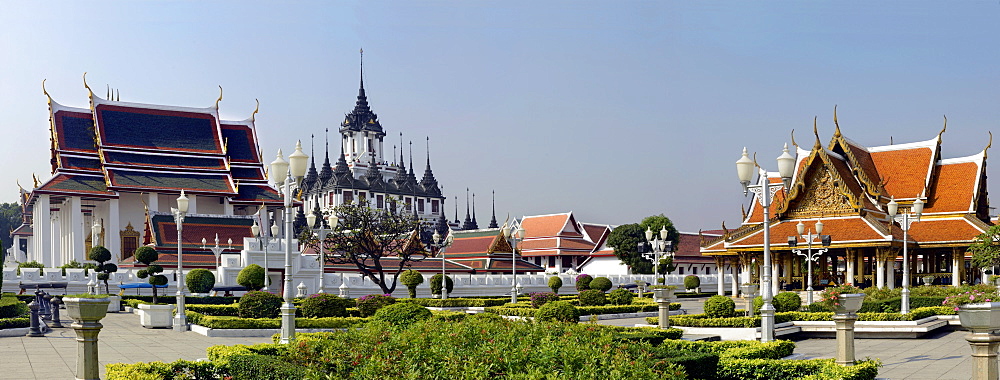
column 749, row 290
column 980, row 317
column 115, row 305
column 928, row 280
column 86, row 309
column 156, row 316
column 663, row 295
column 849, row 303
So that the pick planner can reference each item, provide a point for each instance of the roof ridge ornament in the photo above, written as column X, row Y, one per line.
column 796, row 145
column 817, row 145
column 253, row 116
column 945, row 128
column 836, row 132
column 219, row 99
column 46, row 92
column 988, row 145
column 85, row 85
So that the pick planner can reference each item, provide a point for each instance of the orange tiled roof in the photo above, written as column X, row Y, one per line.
column 904, row 171
column 843, row 230
column 539, row 243
column 544, row 225
column 954, row 189
column 957, row 230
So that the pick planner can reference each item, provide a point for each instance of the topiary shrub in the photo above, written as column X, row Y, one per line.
column 324, row 305
column 541, row 298
column 691, row 281
column 411, row 279
column 787, row 301
column 620, row 297
column 147, row 255
column 592, row 297
column 555, row 283
column 600, row 283
column 252, row 277
column 449, row 285
column 583, row 282
column 200, row 280
column 104, row 271
column 402, row 314
column 256, row 304
column 720, row 307
column 368, row 305
column 558, row 311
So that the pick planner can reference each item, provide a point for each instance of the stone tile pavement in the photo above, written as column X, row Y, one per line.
column 122, row 340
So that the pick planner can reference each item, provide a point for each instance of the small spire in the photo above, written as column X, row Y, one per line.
column 312, row 176
column 475, row 225
column 327, row 171
column 457, row 221
column 468, row 216
column 362, row 51
column 493, row 219
column 816, row 145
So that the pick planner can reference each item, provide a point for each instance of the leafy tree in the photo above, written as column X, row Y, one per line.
column 378, row 242
column 656, row 222
column 985, row 248
column 666, row 265
column 10, row 218
column 102, row 255
column 625, row 240
column 147, row 255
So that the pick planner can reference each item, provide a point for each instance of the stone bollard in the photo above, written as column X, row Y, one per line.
column 86, row 314
column 300, row 291
column 344, row 290
column 47, row 315
column 34, row 330
column 56, row 302
column 845, row 337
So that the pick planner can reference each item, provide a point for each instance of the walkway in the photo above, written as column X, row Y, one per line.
column 122, row 340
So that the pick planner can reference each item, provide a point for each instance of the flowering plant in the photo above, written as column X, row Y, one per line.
column 830, row 297
column 972, row 296
column 540, row 298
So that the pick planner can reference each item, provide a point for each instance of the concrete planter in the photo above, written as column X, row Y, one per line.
column 663, row 295
column 115, row 304
column 86, row 309
column 850, row 303
column 156, row 316
column 980, row 317
column 749, row 290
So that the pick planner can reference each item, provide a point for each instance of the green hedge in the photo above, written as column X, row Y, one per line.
column 457, row 302
column 181, row 369
column 264, row 367
column 734, row 349
column 215, row 310
column 653, row 336
column 11, row 307
column 892, row 305
column 527, row 311
column 13, row 323
column 702, row 320
column 814, row 369
column 187, row 300
column 227, row 322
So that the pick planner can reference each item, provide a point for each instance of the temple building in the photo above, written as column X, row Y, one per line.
column 363, row 173
column 848, row 187
column 118, row 168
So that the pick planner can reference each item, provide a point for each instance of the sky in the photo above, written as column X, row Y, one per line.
column 615, row 110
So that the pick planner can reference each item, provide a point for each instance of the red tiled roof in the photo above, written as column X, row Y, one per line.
column 545, row 225
column 954, row 188
column 472, row 245
column 929, row 231
column 843, row 230
column 904, row 171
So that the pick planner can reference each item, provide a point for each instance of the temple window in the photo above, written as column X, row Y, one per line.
column 435, row 206
column 379, row 202
column 420, row 205
column 348, row 196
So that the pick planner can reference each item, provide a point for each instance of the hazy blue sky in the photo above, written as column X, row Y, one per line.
column 614, row 109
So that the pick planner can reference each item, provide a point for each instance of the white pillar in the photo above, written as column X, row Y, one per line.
column 153, row 201
column 890, row 274
column 227, row 208
column 879, row 273
column 956, row 262
column 192, row 204
column 720, row 274
column 735, row 277
column 775, row 277
column 77, row 234
column 112, row 230
column 850, row 260
column 53, row 256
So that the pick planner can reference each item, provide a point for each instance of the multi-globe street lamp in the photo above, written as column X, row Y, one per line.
column 808, row 253
column 514, row 235
column 285, row 174
column 764, row 193
column 905, row 219
column 660, row 246
column 440, row 247
column 216, row 250
column 180, row 319
column 317, row 224
column 265, row 240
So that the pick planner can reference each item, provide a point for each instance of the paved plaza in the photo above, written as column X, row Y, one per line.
column 944, row 355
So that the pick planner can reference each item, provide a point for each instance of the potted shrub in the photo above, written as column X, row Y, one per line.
column 153, row 315
column 449, row 285
column 663, row 293
column 411, row 279
column 749, row 290
column 200, row 281
column 976, row 310
column 692, row 283
column 841, row 299
column 555, row 283
column 104, row 270
column 928, row 280
column 86, row 307
column 252, row 277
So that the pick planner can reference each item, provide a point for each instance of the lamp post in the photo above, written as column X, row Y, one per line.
column 280, row 170
column 440, row 247
column 905, row 219
column 660, row 246
column 332, row 220
column 216, row 250
column 763, row 193
column 514, row 235
column 180, row 319
column 809, row 255
column 265, row 240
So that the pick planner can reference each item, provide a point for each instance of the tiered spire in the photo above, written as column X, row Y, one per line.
column 468, row 218
column 374, row 175
column 327, row 171
column 429, row 184
column 362, row 118
column 312, row 176
column 475, row 225
column 493, row 219
column 457, row 221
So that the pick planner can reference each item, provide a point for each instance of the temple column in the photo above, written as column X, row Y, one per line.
column 112, row 228
column 52, row 257
column 77, row 236
column 734, row 265
column 775, row 274
column 879, row 268
column 192, row 205
column 956, row 261
column 849, row 261
column 153, row 201
column 720, row 274
column 890, row 272
column 227, row 208
column 788, row 267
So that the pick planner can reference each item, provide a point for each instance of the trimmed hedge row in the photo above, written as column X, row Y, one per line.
column 215, row 310
column 702, row 320
column 187, row 300
column 813, row 369
column 220, row 322
column 893, row 305
column 653, row 336
column 13, row 323
column 181, row 369
column 584, row 310
column 11, row 307
column 457, row 302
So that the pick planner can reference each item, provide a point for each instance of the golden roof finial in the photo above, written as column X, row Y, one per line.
column 85, row 85
column 945, row 128
column 220, row 97
column 817, row 145
column 988, row 145
column 253, row 116
column 793, row 139
column 836, row 132
column 46, row 92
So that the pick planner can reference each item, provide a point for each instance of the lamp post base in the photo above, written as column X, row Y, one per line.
column 287, row 323
column 845, row 337
column 180, row 318
column 767, row 323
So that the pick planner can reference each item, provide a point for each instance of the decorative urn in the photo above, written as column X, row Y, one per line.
column 980, row 317
column 663, row 294
column 850, row 302
column 86, row 309
column 749, row 290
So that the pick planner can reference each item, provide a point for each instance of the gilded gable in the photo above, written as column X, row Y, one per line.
column 821, row 198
